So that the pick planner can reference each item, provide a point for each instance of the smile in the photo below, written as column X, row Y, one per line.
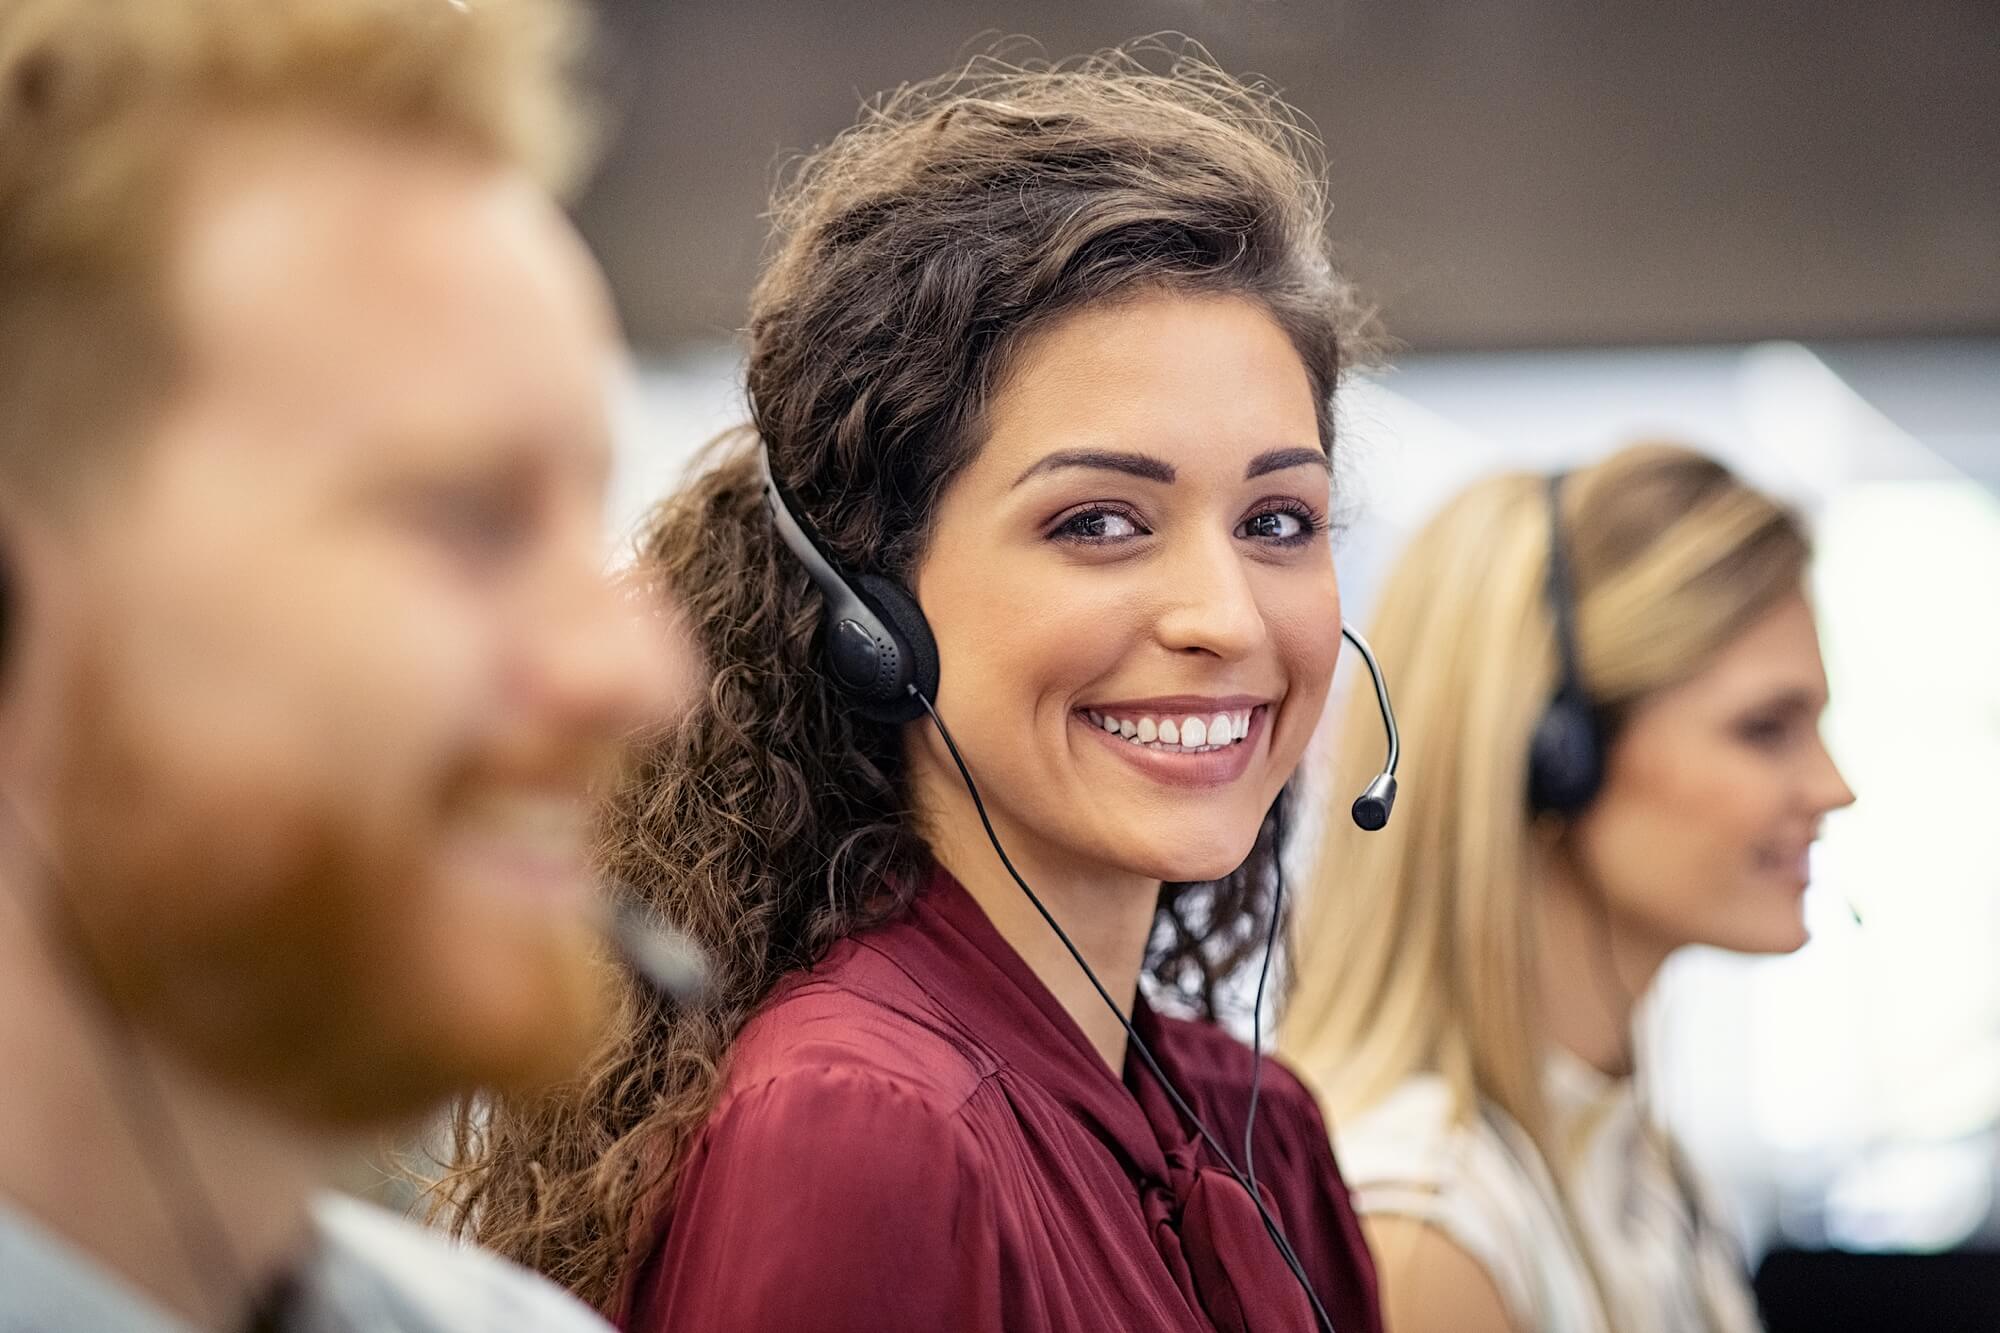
column 1181, row 742
column 1185, row 733
column 530, row 844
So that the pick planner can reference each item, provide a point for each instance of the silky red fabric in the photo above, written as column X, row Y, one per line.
column 916, row 1136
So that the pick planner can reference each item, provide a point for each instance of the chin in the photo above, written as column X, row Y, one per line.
column 1782, row 933
column 526, row 1016
column 495, row 1000
column 1189, row 856
column 1789, row 941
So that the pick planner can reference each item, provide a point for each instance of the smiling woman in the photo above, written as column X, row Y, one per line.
column 1046, row 359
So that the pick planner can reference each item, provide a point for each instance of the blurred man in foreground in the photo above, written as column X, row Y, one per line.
column 308, row 654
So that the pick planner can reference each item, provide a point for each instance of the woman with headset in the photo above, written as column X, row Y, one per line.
column 1019, row 608
column 1612, row 684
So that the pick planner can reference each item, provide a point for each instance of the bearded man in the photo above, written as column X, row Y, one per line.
column 310, row 658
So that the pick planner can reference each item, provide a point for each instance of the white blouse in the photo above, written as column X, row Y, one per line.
column 1631, row 1210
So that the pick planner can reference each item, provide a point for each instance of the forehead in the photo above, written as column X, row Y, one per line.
column 1186, row 378
column 363, row 285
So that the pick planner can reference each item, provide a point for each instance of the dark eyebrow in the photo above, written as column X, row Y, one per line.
column 1277, row 460
column 1798, row 699
column 1110, row 460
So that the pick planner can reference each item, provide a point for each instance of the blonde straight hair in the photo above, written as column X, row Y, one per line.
column 1416, row 951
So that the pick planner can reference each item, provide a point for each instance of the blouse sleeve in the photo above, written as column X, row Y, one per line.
column 830, row 1199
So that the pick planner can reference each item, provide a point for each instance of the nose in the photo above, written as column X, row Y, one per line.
column 1829, row 788
column 1210, row 605
column 614, row 656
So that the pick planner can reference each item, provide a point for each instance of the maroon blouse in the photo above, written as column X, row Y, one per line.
column 916, row 1136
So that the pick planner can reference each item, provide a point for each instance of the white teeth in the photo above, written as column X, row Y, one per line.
column 1188, row 735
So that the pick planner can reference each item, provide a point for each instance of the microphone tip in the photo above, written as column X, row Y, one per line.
column 1372, row 807
column 669, row 961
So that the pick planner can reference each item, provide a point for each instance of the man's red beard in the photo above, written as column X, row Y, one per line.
column 278, row 924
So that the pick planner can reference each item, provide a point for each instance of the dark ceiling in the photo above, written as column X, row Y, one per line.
column 1505, row 172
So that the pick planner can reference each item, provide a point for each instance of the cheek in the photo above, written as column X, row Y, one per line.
column 305, row 651
column 1673, row 836
column 263, row 896
column 1015, row 649
column 1304, row 624
column 256, row 759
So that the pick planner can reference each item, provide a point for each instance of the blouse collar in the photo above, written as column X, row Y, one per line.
column 1206, row 1228
column 1003, row 1006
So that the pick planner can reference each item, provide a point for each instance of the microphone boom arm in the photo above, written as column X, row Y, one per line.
column 1371, row 808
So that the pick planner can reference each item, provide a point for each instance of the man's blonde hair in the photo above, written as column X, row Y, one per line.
column 99, row 101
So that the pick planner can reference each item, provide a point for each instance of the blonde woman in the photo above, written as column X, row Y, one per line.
column 1611, row 685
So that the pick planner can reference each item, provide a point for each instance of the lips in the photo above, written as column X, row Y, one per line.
column 1175, row 740
column 1792, row 861
column 525, row 843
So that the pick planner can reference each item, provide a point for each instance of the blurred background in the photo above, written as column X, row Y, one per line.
column 1769, row 229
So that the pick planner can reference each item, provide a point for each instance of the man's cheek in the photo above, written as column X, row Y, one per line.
column 351, row 698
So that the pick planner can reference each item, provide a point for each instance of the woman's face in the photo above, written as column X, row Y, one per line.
column 1132, row 592
column 1714, row 792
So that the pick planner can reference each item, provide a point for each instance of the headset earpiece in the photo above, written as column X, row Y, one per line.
column 1565, row 761
column 1566, row 753
column 915, row 653
column 878, row 645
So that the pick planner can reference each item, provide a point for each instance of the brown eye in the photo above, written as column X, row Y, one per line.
column 480, row 523
column 1275, row 526
column 1284, row 525
column 1098, row 525
column 1766, row 733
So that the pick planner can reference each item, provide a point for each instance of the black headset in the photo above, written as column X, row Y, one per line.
column 881, row 656
column 1566, row 754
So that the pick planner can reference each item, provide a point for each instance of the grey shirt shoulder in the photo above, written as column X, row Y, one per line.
column 373, row 1271
column 381, row 1271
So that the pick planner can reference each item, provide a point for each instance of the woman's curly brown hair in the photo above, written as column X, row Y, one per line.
column 915, row 255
